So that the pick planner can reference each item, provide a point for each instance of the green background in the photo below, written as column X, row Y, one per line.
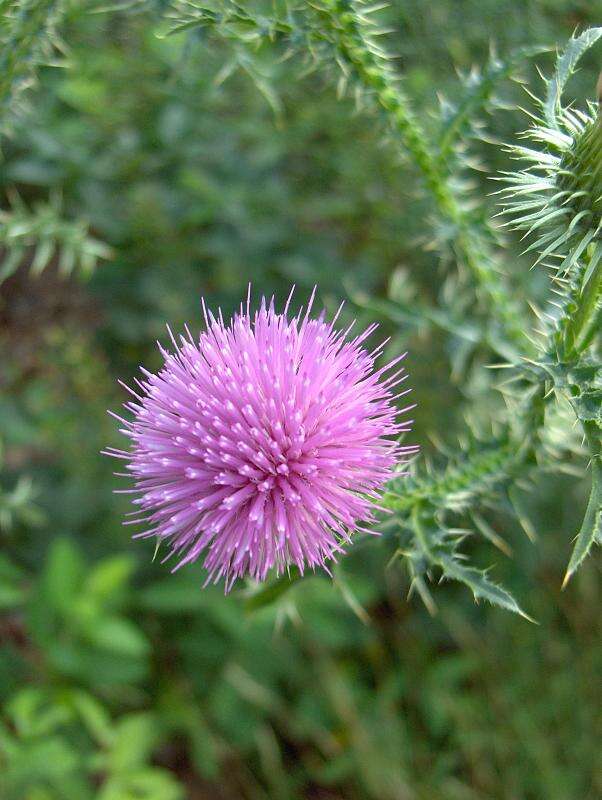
column 119, row 681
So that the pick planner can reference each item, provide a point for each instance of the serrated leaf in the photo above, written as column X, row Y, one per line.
column 479, row 92
column 591, row 528
column 565, row 66
column 480, row 585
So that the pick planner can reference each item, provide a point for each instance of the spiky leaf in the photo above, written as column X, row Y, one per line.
column 565, row 67
column 591, row 529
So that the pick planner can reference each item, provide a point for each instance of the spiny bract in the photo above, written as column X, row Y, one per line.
column 263, row 443
column 558, row 197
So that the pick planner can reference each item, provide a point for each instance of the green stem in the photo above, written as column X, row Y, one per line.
column 591, row 294
column 579, row 323
column 591, row 329
column 421, row 535
column 471, row 247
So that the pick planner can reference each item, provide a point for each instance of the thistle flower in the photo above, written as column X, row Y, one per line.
column 263, row 443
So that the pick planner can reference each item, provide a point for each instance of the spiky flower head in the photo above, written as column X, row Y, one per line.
column 263, row 442
column 558, row 196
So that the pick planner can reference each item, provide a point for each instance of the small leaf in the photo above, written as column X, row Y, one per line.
column 108, row 581
column 63, row 574
column 565, row 66
column 479, row 92
column 149, row 783
column 11, row 592
column 135, row 738
column 36, row 713
column 95, row 717
column 480, row 585
column 118, row 635
column 591, row 529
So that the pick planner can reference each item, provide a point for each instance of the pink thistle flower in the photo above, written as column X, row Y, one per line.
column 264, row 443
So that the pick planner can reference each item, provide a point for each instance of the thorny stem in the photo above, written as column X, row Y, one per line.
column 495, row 463
column 421, row 535
column 471, row 247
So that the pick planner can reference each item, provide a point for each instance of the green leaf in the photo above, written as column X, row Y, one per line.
column 480, row 585
column 480, row 88
column 203, row 748
column 47, row 762
column 118, row 635
column 108, row 581
column 151, row 783
column 48, row 235
column 591, row 529
column 135, row 737
column 438, row 547
column 95, row 717
column 269, row 593
column 177, row 594
column 565, row 66
column 11, row 596
column 35, row 712
column 12, row 593
column 63, row 574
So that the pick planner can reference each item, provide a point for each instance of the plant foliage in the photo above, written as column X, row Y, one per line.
column 189, row 147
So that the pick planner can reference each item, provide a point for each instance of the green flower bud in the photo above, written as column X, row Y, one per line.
column 580, row 175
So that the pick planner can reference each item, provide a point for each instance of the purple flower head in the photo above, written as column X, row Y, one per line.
column 262, row 443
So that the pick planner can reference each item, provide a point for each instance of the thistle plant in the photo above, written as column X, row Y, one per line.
column 550, row 364
column 556, row 197
column 272, row 449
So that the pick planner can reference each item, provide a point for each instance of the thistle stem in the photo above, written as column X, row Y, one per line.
column 471, row 247
column 580, row 324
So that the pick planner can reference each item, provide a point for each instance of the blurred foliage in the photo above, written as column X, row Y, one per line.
column 190, row 165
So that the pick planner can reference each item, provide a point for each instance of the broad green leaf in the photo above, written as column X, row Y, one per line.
column 63, row 574
column 118, row 635
column 108, row 581
column 134, row 739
